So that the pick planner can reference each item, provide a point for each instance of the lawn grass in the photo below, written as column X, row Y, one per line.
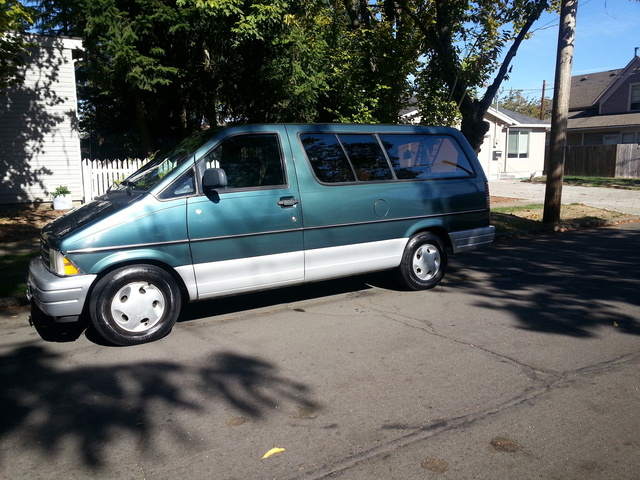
column 14, row 270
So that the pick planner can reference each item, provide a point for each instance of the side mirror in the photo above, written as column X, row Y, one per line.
column 214, row 178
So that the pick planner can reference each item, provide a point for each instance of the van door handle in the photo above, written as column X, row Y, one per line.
column 288, row 202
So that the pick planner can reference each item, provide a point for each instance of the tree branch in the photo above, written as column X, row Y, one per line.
column 491, row 91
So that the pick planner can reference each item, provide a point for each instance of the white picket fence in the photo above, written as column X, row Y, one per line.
column 99, row 175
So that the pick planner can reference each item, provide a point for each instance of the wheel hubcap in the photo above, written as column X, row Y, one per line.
column 426, row 262
column 138, row 306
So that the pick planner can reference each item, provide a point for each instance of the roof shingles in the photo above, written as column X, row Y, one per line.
column 585, row 89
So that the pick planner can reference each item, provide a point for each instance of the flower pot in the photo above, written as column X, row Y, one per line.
column 62, row 202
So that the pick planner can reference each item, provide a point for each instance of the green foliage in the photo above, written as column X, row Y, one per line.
column 14, row 269
column 372, row 53
column 163, row 69
column 517, row 102
column 61, row 191
column 434, row 101
column 14, row 18
column 468, row 46
column 156, row 70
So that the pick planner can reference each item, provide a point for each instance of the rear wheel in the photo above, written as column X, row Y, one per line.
column 424, row 262
column 135, row 304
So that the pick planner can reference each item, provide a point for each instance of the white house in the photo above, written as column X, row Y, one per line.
column 39, row 140
column 513, row 147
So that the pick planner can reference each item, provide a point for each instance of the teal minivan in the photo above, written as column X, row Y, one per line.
column 256, row 207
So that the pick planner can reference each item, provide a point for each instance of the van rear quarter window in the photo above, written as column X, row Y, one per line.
column 426, row 156
column 356, row 157
column 367, row 158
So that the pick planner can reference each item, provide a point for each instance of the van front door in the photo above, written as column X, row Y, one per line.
column 248, row 235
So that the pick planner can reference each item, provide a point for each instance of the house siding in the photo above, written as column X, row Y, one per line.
column 618, row 100
column 600, row 107
column 497, row 140
column 39, row 142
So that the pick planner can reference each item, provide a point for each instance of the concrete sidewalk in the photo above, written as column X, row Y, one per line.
column 624, row 201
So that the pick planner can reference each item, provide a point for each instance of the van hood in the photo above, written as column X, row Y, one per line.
column 87, row 214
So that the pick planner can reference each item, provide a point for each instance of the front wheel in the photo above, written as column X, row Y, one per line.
column 135, row 304
column 424, row 262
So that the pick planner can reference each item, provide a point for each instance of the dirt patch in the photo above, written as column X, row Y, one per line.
column 510, row 219
column 568, row 213
column 497, row 200
column 22, row 223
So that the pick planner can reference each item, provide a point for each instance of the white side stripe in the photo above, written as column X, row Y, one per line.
column 332, row 262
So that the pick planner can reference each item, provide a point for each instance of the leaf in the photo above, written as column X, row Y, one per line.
column 273, row 451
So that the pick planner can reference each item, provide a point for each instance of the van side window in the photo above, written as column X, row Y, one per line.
column 426, row 156
column 252, row 160
column 346, row 158
column 327, row 158
column 366, row 157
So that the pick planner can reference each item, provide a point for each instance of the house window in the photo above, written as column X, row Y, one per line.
column 634, row 100
column 518, row 144
column 629, row 137
column 610, row 139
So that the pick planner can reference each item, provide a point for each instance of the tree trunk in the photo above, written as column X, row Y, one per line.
column 473, row 125
column 142, row 121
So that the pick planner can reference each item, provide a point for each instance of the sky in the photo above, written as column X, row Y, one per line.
column 607, row 32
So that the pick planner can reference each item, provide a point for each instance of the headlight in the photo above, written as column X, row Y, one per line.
column 61, row 265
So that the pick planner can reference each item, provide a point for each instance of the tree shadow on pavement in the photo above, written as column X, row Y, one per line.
column 49, row 405
column 571, row 283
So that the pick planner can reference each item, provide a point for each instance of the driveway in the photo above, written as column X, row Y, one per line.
column 625, row 201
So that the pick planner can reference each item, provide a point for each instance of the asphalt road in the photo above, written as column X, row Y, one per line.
column 523, row 364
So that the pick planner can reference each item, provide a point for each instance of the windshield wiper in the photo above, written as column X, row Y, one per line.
column 130, row 186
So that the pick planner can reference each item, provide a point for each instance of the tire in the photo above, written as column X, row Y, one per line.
column 135, row 304
column 424, row 262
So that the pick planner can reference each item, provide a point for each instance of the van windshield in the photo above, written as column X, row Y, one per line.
column 148, row 176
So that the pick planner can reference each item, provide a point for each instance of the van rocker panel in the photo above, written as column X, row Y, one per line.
column 227, row 277
column 352, row 259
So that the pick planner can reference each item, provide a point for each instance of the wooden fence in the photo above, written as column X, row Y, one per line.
column 618, row 161
column 99, row 175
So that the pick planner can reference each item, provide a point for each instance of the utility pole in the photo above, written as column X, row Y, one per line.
column 544, row 88
column 562, row 89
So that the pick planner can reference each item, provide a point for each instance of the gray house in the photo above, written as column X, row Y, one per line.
column 39, row 142
column 604, row 107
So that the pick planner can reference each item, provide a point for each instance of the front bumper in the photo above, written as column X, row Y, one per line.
column 62, row 298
